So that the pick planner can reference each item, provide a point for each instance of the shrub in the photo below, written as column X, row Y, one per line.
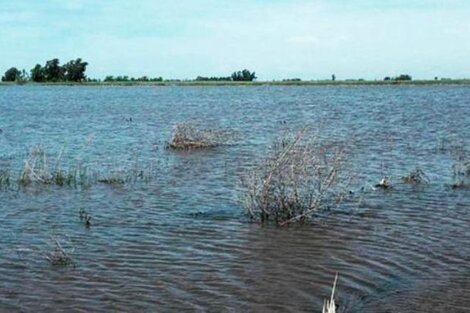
column 297, row 178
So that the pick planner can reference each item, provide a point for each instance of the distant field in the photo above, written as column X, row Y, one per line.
column 261, row 83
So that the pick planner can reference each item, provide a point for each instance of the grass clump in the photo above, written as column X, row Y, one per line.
column 297, row 178
column 416, row 177
column 186, row 136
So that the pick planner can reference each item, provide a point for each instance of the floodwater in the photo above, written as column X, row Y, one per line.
column 180, row 242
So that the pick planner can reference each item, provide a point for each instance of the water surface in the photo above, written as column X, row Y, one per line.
column 181, row 242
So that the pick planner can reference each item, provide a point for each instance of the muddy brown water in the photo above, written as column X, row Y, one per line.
column 181, row 243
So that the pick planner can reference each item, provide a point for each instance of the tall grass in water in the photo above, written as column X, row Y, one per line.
column 37, row 169
column 41, row 169
column 297, row 178
column 186, row 136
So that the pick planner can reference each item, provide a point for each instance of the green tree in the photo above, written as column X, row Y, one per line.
column 53, row 71
column 403, row 77
column 75, row 70
column 38, row 74
column 244, row 75
column 11, row 75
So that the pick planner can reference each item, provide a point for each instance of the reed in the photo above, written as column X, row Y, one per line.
column 41, row 169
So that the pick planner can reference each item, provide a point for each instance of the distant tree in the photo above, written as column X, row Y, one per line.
column 403, row 77
column 23, row 77
column 109, row 78
column 387, row 78
column 11, row 75
column 244, row 75
column 75, row 70
column 38, row 74
column 53, row 71
column 124, row 78
column 333, row 77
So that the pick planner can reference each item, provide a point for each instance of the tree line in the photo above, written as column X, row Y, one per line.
column 52, row 71
column 244, row 75
column 74, row 71
column 111, row 78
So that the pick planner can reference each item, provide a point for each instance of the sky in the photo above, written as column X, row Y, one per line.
column 307, row 39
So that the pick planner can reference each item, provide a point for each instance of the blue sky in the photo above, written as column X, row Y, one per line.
column 309, row 39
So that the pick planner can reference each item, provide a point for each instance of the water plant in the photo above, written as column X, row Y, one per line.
column 4, row 178
column 329, row 306
column 416, row 177
column 38, row 169
column 186, row 136
column 296, row 178
column 85, row 217
column 384, row 183
column 461, row 175
column 114, row 179
column 59, row 256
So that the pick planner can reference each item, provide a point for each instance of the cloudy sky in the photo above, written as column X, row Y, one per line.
column 309, row 39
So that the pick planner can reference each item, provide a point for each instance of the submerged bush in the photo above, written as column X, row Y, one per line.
column 4, row 178
column 186, row 136
column 58, row 256
column 297, row 178
column 416, row 177
column 461, row 175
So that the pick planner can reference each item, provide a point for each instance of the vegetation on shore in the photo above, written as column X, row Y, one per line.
column 74, row 72
column 212, row 83
column 52, row 71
